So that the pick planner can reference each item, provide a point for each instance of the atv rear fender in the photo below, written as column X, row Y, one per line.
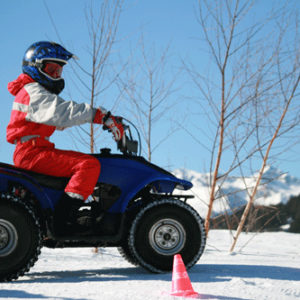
column 11, row 176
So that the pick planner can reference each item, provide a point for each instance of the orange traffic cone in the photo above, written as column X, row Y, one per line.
column 181, row 284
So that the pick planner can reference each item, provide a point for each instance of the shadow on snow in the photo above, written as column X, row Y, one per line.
column 221, row 272
column 16, row 294
column 199, row 273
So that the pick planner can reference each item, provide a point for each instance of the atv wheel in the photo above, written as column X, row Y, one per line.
column 20, row 238
column 124, row 248
column 127, row 255
column 165, row 228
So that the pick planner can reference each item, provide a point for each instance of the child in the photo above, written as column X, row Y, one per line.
column 38, row 111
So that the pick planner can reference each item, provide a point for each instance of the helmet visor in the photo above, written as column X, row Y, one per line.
column 53, row 69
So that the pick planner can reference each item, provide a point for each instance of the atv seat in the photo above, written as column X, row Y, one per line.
column 53, row 182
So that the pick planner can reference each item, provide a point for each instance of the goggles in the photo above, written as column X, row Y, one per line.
column 53, row 69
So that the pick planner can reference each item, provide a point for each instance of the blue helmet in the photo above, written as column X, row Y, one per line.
column 35, row 58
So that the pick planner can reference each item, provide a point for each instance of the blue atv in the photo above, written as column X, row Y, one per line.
column 142, row 216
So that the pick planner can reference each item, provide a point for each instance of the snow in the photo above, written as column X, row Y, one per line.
column 264, row 266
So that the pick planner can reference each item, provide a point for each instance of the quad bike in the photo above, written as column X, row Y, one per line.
column 142, row 216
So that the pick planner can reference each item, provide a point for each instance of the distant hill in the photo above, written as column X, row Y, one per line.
column 274, row 208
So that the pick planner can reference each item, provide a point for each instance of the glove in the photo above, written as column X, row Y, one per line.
column 100, row 115
column 114, row 125
column 110, row 123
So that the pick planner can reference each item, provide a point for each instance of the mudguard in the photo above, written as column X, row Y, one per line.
column 131, row 174
column 41, row 186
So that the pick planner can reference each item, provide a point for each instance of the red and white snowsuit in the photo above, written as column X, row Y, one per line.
column 36, row 114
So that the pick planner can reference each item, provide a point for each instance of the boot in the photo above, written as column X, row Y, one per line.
column 67, row 216
column 97, row 212
column 93, row 218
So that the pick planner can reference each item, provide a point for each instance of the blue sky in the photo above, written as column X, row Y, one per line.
column 162, row 22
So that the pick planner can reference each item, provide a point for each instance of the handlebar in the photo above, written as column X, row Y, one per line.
column 127, row 145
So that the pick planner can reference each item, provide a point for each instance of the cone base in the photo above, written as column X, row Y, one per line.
column 187, row 294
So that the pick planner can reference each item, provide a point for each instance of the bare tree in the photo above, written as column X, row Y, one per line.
column 93, row 80
column 149, row 89
column 242, row 92
column 287, row 99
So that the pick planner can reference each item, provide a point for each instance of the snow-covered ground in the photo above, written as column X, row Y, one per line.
column 268, row 267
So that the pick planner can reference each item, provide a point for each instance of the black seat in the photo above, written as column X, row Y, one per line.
column 53, row 182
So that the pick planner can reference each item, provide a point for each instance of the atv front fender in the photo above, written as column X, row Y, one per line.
column 131, row 175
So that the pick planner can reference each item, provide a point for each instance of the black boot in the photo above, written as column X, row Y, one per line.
column 68, row 218
column 93, row 218
column 97, row 212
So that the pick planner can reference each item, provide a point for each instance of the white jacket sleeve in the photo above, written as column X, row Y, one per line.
column 50, row 109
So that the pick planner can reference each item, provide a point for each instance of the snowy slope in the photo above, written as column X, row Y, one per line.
column 275, row 188
column 267, row 268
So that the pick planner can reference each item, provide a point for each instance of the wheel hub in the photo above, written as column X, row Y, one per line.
column 8, row 237
column 167, row 237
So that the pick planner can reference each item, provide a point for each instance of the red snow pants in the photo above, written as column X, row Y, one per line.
column 39, row 155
